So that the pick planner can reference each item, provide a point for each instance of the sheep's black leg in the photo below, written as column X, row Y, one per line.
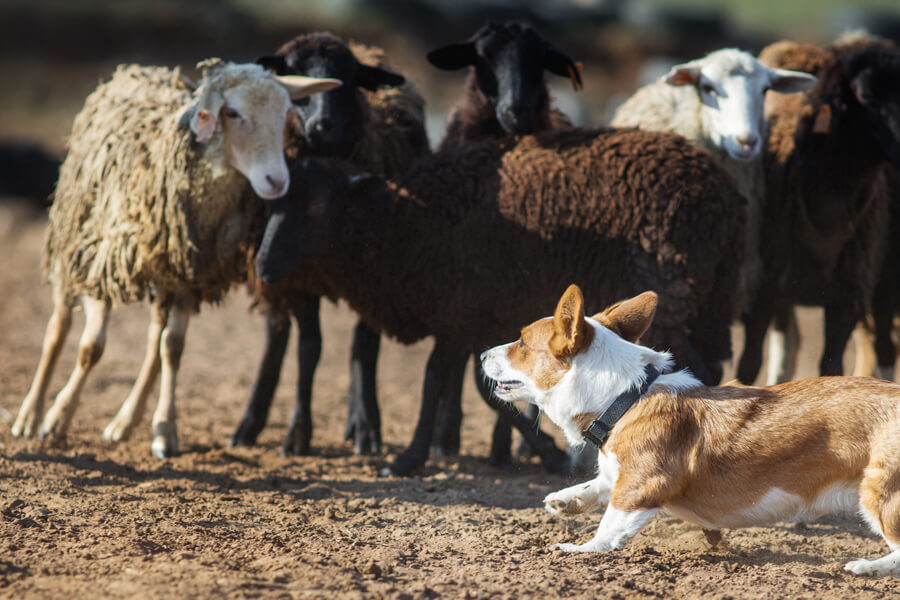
column 839, row 324
column 450, row 418
column 523, row 450
column 364, row 419
column 278, row 329
column 554, row 459
column 443, row 356
column 883, row 317
column 756, row 322
column 306, row 311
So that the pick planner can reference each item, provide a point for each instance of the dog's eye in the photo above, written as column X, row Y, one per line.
column 521, row 343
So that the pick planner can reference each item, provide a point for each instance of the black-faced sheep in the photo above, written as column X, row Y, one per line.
column 376, row 121
column 476, row 240
column 827, row 206
column 505, row 92
column 152, row 198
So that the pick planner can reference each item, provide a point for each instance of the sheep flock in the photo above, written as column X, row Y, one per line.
column 735, row 186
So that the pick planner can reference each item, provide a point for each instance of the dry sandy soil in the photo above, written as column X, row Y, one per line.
column 93, row 519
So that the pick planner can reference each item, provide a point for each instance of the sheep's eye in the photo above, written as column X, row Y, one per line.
column 521, row 343
column 232, row 114
column 708, row 89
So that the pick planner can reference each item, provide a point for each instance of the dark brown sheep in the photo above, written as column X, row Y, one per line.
column 376, row 121
column 479, row 239
column 827, row 205
column 505, row 92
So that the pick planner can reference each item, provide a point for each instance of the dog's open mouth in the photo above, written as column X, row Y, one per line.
column 509, row 385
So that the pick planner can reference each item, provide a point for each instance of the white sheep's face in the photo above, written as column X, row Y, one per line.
column 253, row 119
column 732, row 85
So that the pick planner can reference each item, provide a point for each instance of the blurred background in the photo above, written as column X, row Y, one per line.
column 54, row 52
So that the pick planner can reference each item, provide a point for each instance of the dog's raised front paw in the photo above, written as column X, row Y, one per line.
column 564, row 502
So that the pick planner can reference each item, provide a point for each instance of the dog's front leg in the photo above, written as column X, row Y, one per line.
column 579, row 498
column 616, row 528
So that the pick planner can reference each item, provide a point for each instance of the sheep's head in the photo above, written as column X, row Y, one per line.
column 241, row 112
column 732, row 85
column 333, row 121
column 874, row 77
column 509, row 61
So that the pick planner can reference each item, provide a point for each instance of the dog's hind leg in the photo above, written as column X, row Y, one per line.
column 879, row 500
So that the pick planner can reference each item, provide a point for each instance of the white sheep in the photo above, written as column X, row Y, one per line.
column 717, row 102
column 152, row 197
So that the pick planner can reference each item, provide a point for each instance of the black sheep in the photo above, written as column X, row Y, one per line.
column 476, row 240
column 375, row 120
column 827, row 201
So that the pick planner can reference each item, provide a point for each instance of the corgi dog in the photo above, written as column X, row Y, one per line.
column 724, row 456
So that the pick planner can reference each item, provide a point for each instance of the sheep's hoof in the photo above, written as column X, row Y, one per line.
column 296, row 442
column 365, row 436
column 165, row 441
column 404, row 464
column 117, row 431
column 25, row 425
column 246, row 433
column 52, row 430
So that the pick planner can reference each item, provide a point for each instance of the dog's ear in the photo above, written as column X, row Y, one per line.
column 571, row 333
column 630, row 318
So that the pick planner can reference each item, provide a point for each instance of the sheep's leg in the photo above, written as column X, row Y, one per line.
column 364, row 418
column 886, row 353
column 501, row 441
column 865, row 357
column 839, row 324
column 165, row 433
column 443, row 354
column 309, row 349
column 132, row 410
column 756, row 322
column 90, row 349
column 553, row 459
column 450, row 419
column 784, row 343
column 33, row 405
column 523, row 450
column 278, row 331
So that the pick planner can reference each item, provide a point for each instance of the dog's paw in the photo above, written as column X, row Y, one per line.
column 566, row 547
column 874, row 567
column 560, row 503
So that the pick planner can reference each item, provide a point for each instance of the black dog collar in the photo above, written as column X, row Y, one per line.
column 599, row 430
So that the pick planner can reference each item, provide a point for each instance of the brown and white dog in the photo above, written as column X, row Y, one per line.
column 726, row 456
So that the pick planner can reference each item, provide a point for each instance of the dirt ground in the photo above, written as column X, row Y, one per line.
column 93, row 519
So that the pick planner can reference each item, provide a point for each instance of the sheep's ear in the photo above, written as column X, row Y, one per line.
column 630, row 318
column 686, row 74
column 571, row 333
column 273, row 63
column 371, row 78
column 204, row 114
column 454, row 56
column 561, row 64
column 789, row 82
column 300, row 86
